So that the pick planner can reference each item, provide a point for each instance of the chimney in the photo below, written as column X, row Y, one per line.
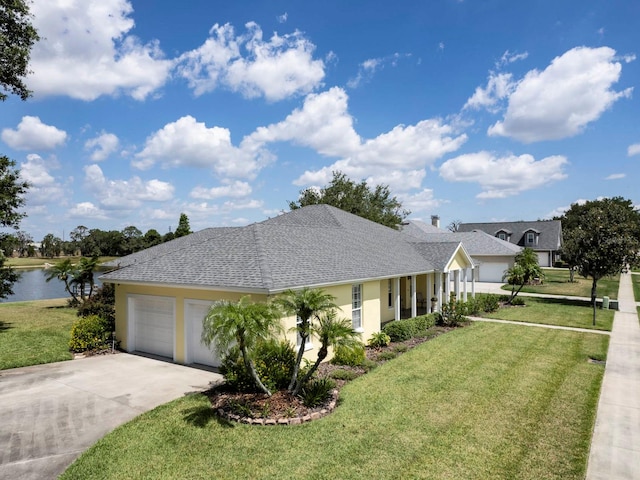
column 435, row 221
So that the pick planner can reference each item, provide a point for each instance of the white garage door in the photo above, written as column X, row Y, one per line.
column 152, row 321
column 195, row 312
column 543, row 259
column 492, row 272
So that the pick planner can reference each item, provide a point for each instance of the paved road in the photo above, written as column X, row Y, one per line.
column 50, row 414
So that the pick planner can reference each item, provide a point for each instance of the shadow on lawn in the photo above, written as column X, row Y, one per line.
column 201, row 416
column 5, row 326
column 563, row 301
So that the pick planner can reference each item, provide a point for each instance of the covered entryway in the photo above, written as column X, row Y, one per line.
column 196, row 352
column 151, row 325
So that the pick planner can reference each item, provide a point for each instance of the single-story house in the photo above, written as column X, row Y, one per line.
column 491, row 255
column 376, row 273
column 543, row 236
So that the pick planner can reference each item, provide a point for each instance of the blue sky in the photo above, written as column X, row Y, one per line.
column 472, row 110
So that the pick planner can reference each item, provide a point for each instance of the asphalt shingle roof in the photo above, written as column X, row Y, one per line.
column 476, row 243
column 550, row 231
column 312, row 246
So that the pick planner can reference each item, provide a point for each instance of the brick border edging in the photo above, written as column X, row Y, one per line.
column 283, row 421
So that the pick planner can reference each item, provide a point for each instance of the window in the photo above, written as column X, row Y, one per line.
column 502, row 236
column 356, row 307
column 307, row 345
column 530, row 238
column 390, row 293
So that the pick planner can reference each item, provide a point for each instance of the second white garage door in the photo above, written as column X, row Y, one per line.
column 492, row 272
column 196, row 352
column 152, row 319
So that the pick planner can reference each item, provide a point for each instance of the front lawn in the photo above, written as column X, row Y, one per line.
column 486, row 401
column 556, row 311
column 635, row 281
column 34, row 332
column 556, row 282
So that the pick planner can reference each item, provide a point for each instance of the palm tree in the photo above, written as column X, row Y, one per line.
column 244, row 324
column 332, row 332
column 304, row 304
column 524, row 269
column 84, row 276
column 65, row 271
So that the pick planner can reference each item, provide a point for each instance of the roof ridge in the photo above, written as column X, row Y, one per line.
column 263, row 264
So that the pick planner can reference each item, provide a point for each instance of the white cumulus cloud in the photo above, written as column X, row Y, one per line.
column 44, row 188
column 277, row 68
column 32, row 134
column 235, row 189
column 103, row 145
column 87, row 210
column 86, row 51
column 397, row 158
column 615, row 176
column 560, row 101
column 633, row 149
column 501, row 177
column 125, row 194
column 187, row 142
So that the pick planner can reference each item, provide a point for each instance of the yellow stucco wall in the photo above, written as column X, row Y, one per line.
column 179, row 295
column 459, row 261
column 371, row 310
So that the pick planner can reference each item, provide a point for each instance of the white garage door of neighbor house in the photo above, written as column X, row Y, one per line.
column 543, row 259
column 153, row 321
column 195, row 312
column 492, row 272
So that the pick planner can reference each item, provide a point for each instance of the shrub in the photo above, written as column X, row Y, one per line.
column 368, row 365
column 453, row 313
column 474, row 306
column 342, row 374
column 400, row 330
column 379, row 340
column 489, row 303
column 352, row 357
column 274, row 361
column 400, row 348
column 317, row 391
column 518, row 302
column 90, row 333
column 423, row 323
column 101, row 303
column 384, row 356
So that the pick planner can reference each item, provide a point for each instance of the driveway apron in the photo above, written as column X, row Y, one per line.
column 615, row 446
column 50, row 414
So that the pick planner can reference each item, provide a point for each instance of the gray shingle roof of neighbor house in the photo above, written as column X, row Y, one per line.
column 550, row 231
column 312, row 246
column 476, row 243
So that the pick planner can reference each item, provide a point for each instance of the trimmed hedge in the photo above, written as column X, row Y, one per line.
column 402, row 330
column 90, row 333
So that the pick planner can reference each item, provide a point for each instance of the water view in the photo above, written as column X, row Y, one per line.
column 33, row 285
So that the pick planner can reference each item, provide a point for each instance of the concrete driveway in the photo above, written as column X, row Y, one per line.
column 50, row 414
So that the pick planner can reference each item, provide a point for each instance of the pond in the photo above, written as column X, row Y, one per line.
column 33, row 285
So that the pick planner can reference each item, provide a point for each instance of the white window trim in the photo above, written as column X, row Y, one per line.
column 359, row 329
column 308, row 345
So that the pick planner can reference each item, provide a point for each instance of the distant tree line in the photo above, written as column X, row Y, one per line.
column 90, row 242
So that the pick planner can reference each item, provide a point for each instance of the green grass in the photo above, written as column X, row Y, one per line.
column 40, row 261
column 484, row 402
column 556, row 311
column 635, row 280
column 36, row 332
column 556, row 282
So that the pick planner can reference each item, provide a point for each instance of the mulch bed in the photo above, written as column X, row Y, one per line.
column 282, row 405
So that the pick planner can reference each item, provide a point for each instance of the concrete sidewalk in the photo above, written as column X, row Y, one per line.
column 615, row 446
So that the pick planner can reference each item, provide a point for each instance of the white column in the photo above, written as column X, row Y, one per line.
column 439, row 290
column 464, row 285
column 429, row 291
column 447, row 287
column 456, row 283
column 414, row 297
column 396, row 291
column 473, row 282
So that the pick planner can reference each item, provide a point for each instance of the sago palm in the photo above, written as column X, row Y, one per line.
column 243, row 324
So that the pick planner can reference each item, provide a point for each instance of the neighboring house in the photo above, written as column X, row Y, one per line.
column 544, row 236
column 490, row 255
column 377, row 274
